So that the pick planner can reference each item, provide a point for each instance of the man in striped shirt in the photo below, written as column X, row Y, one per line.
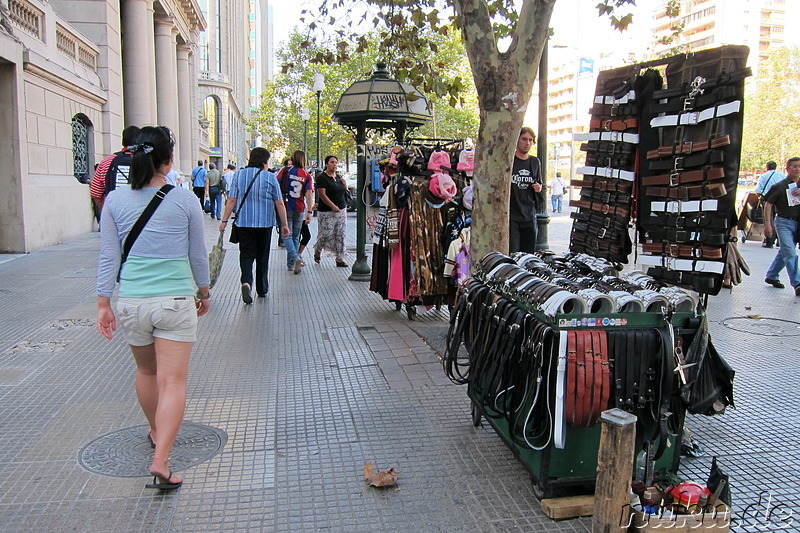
column 112, row 172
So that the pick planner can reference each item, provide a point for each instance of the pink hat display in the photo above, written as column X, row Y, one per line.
column 466, row 161
column 442, row 186
column 438, row 160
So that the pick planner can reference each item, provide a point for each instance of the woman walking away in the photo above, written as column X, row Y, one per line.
column 331, row 212
column 163, row 287
column 297, row 187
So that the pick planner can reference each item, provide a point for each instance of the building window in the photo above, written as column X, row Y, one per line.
column 211, row 113
column 81, row 148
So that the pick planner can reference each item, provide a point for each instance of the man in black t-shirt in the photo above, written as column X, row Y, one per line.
column 784, row 198
column 526, row 184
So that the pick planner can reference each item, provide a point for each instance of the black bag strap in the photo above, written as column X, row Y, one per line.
column 769, row 180
column 245, row 194
column 142, row 221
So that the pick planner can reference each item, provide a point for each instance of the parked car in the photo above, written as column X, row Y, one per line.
column 352, row 186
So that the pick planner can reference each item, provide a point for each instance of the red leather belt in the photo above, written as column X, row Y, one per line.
column 682, row 250
column 614, row 124
column 572, row 375
column 588, row 377
column 688, row 147
column 616, row 185
column 601, row 208
column 677, row 178
column 713, row 190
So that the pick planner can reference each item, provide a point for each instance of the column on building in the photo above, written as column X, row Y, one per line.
column 166, row 74
column 185, row 82
column 151, row 44
column 137, row 62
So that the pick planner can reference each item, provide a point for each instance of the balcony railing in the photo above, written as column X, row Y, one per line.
column 27, row 17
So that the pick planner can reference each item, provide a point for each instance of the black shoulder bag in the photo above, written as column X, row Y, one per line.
column 235, row 229
column 141, row 222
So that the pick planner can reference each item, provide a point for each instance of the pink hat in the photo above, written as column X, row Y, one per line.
column 438, row 160
column 466, row 197
column 442, row 186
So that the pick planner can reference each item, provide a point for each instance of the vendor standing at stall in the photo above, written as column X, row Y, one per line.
column 526, row 184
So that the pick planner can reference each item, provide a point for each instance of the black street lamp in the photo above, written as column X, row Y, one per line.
column 305, row 114
column 382, row 104
column 319, row 86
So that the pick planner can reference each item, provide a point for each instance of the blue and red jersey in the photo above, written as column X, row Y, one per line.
column 295, row 182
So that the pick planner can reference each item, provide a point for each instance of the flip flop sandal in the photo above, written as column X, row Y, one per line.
column 161, row 483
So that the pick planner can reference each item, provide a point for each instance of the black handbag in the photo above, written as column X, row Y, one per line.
column 235, row 229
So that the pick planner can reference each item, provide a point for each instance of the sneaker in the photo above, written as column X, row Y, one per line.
column 246, row 296
column 775, row 283
column 297, row 266
column 797, row 291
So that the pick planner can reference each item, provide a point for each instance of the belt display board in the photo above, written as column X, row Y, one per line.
column 662, row 155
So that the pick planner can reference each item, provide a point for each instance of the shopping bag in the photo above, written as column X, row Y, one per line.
column 207, row 206
column 215, row 259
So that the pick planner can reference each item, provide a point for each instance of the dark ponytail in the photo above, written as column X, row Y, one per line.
column 153, row 148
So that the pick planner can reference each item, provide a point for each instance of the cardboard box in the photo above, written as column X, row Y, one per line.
column 718, row 520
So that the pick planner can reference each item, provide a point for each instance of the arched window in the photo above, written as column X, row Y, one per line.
column 81, row 148
column 211, row 112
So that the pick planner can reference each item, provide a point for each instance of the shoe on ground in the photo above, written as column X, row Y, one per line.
column 775, row 283
column 797, row 291
column 297, row 266
column 246, row 296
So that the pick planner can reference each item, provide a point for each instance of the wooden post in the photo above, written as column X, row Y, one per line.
column 614, row 471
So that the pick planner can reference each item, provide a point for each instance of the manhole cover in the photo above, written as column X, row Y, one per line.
column 773, row 327
column 127, row 452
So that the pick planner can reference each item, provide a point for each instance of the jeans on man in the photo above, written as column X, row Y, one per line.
column 556, row 200
column 254, row 245
column 787, row 251
column 522, row 236
column 292, row 243
column 216, row 202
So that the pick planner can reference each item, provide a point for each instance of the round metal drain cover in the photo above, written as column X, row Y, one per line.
column 127, row 452
column 772, row 327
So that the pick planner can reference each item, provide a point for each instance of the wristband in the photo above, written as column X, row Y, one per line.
column 201, row 297
column 224, row 221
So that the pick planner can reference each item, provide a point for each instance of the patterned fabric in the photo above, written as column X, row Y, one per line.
column 258, row 210
column 330, row 232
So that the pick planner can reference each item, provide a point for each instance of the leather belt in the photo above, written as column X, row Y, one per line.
column 598, row 231
column 606, row 209
column 616, row 109
column 708, row 238
column 676, row 206
column 678, row 178
column 619, row 199
column 685, row 102
column 572, row 375
column 607, row 172
column 726, row 78
column 697, row 160
column 595, row 246
column 615, row 100
column 682, row 192
column 605, row 160
column 689, row 147
column 601, row 185
column 559, row 430
column 692, row 118
column 609, row 223
column 683, row 265
column 705, row 221
column 702, row 283
column 613, row 136
column 682, row 250
column 614, row 124
column 609, row 147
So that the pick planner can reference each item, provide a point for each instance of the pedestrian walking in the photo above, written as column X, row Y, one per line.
column 765, row 183
column 331, row 212
column 213, row 190
column 256, row 196
column 199, row 181
column 784, row 199
column 113, row 170
column 557, row 189
column 297, row 187
column 163, row 287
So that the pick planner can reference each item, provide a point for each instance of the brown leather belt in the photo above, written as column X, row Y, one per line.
column 595, row 246
column 601, row 208
column 682, row 250
column 618, row 124
column 688, row 147
column 588, row 377
column 712, row 190
column 617, row 185
column 677, row 178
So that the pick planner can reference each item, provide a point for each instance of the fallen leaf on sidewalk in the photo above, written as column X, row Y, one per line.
column 380, row 479
column 755, row 317
column 747, row 307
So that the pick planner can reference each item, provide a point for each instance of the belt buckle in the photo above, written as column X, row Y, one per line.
column 606, row 222
column 674, row 179
column 673, row 206
column 606, row 125
column 691, row 119
column 606, row 197
column 687, row 147
column 688, row 103
column 674, row 250
column 606, row 209
column 677, row 164
column 602, row 233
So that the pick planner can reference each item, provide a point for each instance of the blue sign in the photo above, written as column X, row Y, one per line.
column 215, row 151
column 586, row 65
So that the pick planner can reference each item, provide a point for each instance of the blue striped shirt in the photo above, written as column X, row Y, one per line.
column 258, row 210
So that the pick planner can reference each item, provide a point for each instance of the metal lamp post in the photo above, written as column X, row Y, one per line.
column 379, row 104
column 319, row 86
column 305, row 114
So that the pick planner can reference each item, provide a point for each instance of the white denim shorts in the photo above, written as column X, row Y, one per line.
column 167, row 317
